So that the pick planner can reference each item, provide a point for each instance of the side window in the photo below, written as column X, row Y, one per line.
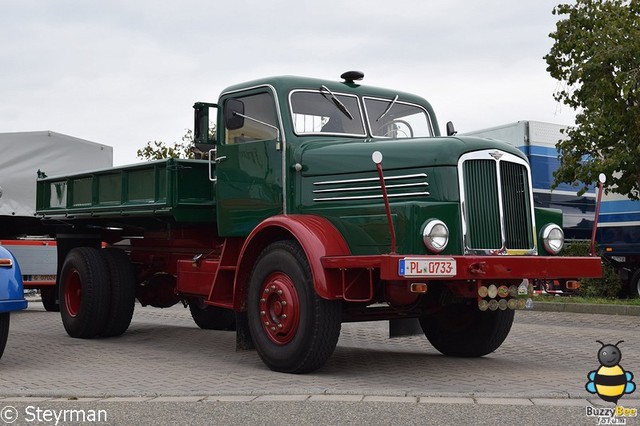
column 259, row 112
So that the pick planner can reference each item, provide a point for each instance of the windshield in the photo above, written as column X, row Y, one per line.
column 326, row 112
column 395, row 119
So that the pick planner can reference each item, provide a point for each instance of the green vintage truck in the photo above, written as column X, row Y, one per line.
column 316, row 202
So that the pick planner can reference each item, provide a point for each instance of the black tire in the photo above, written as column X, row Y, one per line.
column 462, row 330
column 84, row 293
column 4, row 331
column 211, row 317
column 123, row 292
column 49, row 297
column 302, row 333
column 634, row 285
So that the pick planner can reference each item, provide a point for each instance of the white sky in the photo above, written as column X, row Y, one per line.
column 123, row 72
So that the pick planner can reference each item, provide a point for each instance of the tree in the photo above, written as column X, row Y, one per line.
column 157, row 150
column 596, row 57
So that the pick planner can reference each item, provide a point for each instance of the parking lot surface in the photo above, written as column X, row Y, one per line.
column 165, row 357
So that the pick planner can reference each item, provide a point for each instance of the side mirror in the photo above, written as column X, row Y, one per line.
column 233, row 114
column 201, row 122
column 451, row 130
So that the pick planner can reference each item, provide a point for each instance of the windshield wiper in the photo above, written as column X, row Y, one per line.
column 337, row 102
column 391, row 104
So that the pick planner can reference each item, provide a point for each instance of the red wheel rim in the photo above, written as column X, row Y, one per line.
column 279, row 308
column 72, row 292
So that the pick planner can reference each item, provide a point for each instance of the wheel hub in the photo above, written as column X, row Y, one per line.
column 279, row 308
column 73, row 292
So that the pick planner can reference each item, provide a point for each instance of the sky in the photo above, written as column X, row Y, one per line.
column 125, row 72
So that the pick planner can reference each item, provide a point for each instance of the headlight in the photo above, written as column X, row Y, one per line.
column 435, row 235
column 552, row 238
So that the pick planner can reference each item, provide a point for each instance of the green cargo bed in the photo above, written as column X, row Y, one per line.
column 177, row 188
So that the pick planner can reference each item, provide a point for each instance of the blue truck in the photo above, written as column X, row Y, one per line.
column 618, row 233
column 11, row 293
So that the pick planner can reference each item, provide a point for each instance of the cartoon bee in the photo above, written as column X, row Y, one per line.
column 610, row 381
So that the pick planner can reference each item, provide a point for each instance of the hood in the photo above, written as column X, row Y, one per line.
column 322, row 157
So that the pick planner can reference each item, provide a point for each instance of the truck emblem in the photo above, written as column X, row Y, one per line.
column 496, row 155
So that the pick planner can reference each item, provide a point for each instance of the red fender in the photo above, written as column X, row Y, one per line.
column 317, row 237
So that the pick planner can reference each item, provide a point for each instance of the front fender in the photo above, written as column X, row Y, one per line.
column 11, row 290
column 317, row 237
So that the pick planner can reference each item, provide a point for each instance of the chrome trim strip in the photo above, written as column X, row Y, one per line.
column 386, row 178
column 370, row 188
column 372, row 197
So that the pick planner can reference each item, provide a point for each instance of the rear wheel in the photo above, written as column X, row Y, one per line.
column 84, row 293
column 49, row 297
column 634, row 285
column 211, row 317
column 4, row 331
column 463, row 330
column 123, row 292
column 293, row 330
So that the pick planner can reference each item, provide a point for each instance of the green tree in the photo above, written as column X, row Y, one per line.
column 157, row 150
column 596, row 57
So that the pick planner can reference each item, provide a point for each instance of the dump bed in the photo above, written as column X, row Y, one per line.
column 173, row 188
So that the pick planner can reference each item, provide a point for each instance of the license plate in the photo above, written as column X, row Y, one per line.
column 427, row 267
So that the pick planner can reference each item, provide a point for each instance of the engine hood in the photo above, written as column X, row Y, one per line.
column 322, row 157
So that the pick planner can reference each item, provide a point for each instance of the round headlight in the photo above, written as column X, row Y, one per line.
column 435, row 235
column 552, row 238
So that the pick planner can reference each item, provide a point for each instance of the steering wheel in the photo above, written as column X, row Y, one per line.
column 396, row 129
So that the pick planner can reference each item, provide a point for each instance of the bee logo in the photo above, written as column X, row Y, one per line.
column 610, row 381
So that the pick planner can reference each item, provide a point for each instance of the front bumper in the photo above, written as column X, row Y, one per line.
column 12, row 305
column 478, row 267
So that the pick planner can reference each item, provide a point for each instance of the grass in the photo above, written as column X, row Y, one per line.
column 593, row 300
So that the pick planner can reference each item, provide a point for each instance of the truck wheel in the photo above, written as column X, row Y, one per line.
column 634, row 285
column 4, row 331
column 293, row 329
column 463, row 330
column 84, row 293
column 211, row 317
column 49, row 297
column 123, row 292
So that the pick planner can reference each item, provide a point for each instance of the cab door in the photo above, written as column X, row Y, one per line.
column 249, row 162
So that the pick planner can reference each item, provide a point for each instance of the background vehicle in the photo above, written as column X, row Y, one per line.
column 618, row 234
column 294, row 225
column 24, row 154
column 11, row 293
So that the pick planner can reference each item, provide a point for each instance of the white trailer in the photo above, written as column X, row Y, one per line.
column 23, row 155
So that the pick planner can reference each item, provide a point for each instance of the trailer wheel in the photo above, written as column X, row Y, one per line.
column 211, row 317
column 84, row 293
column 462, row 330
column 49, row 297
column 4, row 331
column 123, row 292
column 634, row 285
column 293, row 329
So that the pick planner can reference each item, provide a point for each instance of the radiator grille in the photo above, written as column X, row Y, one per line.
column 496, row 203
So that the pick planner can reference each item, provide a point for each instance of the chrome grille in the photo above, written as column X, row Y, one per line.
column 496, row 203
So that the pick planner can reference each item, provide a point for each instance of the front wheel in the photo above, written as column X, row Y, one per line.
column 462, row 330
column 49, row 297
column 4, row 331
column 293, row 329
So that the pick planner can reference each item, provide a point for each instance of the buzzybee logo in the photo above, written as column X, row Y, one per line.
column 610, row 381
